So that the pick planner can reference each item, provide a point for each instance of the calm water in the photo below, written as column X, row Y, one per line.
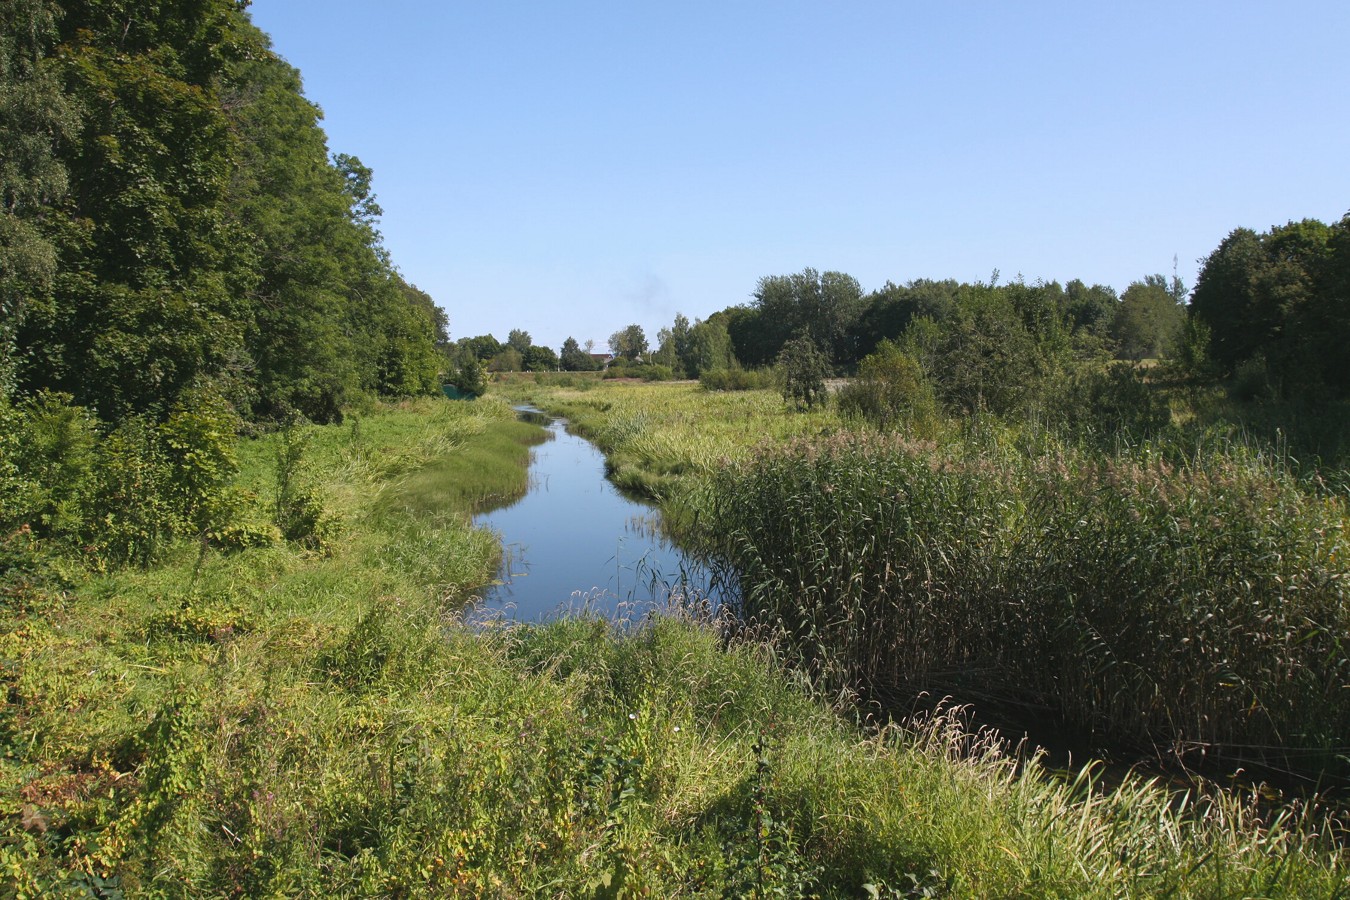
column 574, row 541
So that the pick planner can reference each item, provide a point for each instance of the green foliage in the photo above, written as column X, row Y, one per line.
column 1280, row 295
column 519, row 339
column 483, row 347
column 124, row 495
column 35, row 115
column 656, row 372
column 734, row 378
column 629, row 343
column 468, row 374
column 690, row 350
column 171, row 216
column 540, row 359
column 52, row 460
column 891, row 392
column 1114, row 402
column 574, row 359
column 804, row 370
column 1195, row 596
column 282, row 723
column 823, row 306
column 1149, row 320
column 132, row 519
column 199, row 442
column 1193, row 356
column 298, row 507
column 987, row 360
column 509, row 360
column 890, row 310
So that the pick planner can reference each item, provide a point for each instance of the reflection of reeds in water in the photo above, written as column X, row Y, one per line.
column 677, row 601
column 646, row 526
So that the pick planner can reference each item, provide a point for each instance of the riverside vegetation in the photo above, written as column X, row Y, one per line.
column 1182, row 595
column 232, row 651
column 311, row 717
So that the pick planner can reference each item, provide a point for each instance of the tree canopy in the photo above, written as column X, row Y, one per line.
column 1281, row 300
column 172, row 217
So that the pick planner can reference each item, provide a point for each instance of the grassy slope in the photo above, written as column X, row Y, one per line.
column 299, row 723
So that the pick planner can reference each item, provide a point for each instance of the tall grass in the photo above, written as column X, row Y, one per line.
column 658, row 438
column 283, row 721
column 1197, row 605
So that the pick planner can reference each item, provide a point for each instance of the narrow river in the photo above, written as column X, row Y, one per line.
column 575, row 542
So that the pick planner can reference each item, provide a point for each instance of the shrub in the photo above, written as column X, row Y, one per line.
column 469, row 377
column 298, row 508
column 199, row 450
column 891, row 391
column 1115, row 401
column 237, row 536
column 805, row 369
column 132, row 520
column 656, row 372
column 52, row 464
column 737, row 379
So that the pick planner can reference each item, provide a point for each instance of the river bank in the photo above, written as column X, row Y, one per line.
column 316, row 720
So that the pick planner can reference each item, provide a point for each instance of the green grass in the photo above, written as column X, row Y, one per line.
column 1180, row 594
column 657, row 436
column 318, row 722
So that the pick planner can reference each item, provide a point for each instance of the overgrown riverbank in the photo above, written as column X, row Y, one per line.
column 299, row 721
column 1181, row 594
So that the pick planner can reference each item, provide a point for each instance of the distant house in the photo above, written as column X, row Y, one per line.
column 602, row 359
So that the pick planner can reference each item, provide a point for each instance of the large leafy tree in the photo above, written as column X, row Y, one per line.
column 141, row 304
column 172, row 217
column 888, row 311
column 823, row 306
column 575, row 359
column 539, row 359
column 36, row 116
column 1277, row 298
column 629, row 343
column 1148, row 321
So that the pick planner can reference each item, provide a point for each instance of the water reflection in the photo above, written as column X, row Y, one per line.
column 575, row 542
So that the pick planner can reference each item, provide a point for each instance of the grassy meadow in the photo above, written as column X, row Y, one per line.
column 313, row 718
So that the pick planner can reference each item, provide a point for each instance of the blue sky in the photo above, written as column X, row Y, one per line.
column 571, row 168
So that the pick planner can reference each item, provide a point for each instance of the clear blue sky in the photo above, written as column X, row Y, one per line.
column 571, row 168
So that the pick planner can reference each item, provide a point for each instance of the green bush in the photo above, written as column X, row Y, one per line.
column 891, row 392
column 1116, row 401
column 804, row 369
column 738, row 379
column 237, row 536
column 52, row 464
column 132, row 518
column 656, row 372
column 199, row 450
column 298, row 507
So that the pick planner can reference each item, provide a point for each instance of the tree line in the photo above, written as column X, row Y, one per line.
column 1270, row 307
column 181, row 257
column 172, row 217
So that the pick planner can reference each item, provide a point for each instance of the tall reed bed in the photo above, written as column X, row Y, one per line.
column 1197, row 605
